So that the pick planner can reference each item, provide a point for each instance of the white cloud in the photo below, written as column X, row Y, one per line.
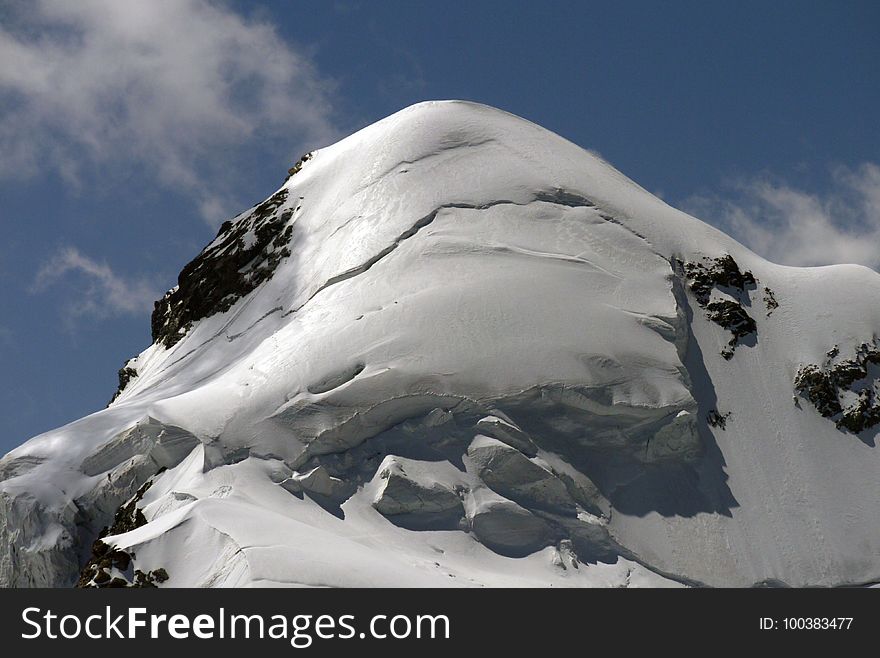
column 177, row 89
column 798, row 227
column 94, row 289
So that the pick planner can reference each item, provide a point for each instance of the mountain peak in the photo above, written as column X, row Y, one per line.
column 462, row 137
column 454, row 338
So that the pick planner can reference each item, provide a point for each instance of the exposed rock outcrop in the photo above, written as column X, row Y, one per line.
column 733, row 317
column 111, row 567
column 296, row 168
column 126, row 374
column 770, row 301
column 244, row 254
column 845, row 391
column 723, row 274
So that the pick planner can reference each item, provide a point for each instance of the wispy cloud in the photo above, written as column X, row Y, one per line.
column 176, row 89
column 95, row 290
column 798, row 227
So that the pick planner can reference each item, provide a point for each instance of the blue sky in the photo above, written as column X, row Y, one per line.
column 131, row 130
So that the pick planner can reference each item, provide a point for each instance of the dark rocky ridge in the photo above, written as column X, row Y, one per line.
column 126, row 374
column 227, row 270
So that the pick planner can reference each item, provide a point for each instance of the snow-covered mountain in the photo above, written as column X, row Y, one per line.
column 456, row 349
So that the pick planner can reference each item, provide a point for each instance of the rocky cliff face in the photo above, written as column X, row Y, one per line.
column 245, row 253
column 455, row 349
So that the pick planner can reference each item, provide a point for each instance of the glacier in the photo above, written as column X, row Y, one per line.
column 455, row 349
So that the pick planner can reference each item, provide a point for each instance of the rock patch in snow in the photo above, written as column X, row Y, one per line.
column 723, row 274
column 845, row 391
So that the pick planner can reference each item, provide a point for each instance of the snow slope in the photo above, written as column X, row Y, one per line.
column 456, row 349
